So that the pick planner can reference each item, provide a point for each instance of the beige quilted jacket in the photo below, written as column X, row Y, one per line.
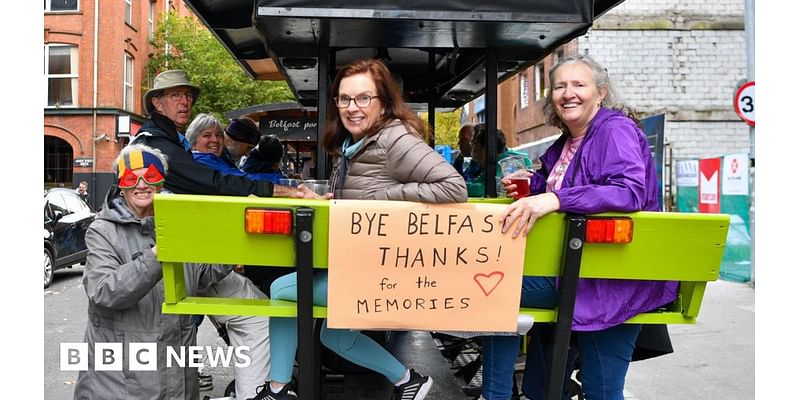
column 395, row 164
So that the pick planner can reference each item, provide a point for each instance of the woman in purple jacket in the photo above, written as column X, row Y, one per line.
column 601, row 163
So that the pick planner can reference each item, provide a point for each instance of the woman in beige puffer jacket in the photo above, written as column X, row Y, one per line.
column 396, row 164
column 383, row 155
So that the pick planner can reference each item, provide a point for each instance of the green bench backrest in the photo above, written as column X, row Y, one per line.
column 666, row 246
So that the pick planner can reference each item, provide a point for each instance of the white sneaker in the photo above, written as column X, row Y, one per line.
column 416, row 388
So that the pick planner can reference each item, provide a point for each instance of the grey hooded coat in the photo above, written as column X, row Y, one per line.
column 122, row 279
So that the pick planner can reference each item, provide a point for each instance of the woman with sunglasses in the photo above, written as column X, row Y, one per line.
column 122, row 280
column 382, row 154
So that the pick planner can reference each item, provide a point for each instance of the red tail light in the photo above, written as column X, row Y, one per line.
column 259, row 220
column 609, row 230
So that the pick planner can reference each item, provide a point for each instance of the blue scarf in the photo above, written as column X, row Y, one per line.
column 351, row 149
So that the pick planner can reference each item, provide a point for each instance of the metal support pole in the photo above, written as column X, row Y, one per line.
column 750, row 30
column 432, row 98
column 567, row 289
column 490, row 181
column 323, row 93
column 308, row 379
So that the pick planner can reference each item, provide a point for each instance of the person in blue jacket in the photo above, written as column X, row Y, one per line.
column 601, row 163
column 206, row 137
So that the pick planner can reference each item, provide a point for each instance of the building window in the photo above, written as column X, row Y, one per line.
column 57, row 162
column 127, row 84
column 523, row 90
column 60, row 5
column 558, row 55
column 128, row 12
column 151, row 18
column 61, row 74
column 540, row 91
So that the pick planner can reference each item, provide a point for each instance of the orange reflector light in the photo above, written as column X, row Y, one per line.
column 268, row 221
column 616, row 230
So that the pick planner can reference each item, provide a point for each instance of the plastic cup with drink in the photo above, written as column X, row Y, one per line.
column 515, row 171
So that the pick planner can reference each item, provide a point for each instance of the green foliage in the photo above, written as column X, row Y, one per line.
column 447, row 126
column 224, row 85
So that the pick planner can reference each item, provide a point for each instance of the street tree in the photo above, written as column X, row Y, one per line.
column 447, row 126
column 184, row 43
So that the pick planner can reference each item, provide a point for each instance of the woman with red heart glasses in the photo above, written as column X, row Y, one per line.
column 122, row 279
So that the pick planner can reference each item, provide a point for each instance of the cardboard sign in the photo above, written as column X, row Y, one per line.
column 406, row 266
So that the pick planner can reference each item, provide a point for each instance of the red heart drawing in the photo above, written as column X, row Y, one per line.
column 488, row 281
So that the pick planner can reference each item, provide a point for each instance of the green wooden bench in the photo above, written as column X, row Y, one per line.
column 210, row 229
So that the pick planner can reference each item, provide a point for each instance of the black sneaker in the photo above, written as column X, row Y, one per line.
column 415, row 389
column 263, row 392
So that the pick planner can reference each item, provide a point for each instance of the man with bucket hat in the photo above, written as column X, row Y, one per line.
column 169, row 104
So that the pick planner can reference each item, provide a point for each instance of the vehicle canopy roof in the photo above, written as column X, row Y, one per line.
column 437, row 49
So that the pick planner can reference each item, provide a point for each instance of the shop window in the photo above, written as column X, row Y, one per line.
column 57, row 162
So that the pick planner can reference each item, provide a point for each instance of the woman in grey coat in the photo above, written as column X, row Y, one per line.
column 122, row 279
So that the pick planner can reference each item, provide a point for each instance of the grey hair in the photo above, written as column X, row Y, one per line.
column 145, row 149
column 600, row 77
column 200, row 123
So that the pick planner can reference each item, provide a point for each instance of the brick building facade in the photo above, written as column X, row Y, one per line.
column 88, row 115
column 681, row 58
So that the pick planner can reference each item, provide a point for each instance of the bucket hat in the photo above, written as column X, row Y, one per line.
column 165, row 80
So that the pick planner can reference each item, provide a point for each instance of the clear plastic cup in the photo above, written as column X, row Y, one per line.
column 290, row 182
column 511, row 164
column 319, row 186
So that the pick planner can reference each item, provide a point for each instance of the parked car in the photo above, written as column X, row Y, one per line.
column 66, row 219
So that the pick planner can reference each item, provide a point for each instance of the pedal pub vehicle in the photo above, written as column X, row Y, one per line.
column 445, row 54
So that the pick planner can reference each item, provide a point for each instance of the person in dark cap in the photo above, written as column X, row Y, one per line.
column 266, row 157
column 206, row 136
column 241, row 136
column 169, row 104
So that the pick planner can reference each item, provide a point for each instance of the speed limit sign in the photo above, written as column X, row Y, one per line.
column 744, row 102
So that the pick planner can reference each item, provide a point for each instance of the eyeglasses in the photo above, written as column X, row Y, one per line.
column 361, row 100
column 176, row 96
column 152, row 177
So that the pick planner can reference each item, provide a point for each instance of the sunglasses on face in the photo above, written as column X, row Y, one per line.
column 152, row 177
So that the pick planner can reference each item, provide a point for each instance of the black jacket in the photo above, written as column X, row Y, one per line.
column 186, row 176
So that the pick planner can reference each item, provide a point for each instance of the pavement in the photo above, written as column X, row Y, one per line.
column 714, row 358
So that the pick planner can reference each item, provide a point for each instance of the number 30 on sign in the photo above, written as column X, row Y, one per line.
column 744, row 102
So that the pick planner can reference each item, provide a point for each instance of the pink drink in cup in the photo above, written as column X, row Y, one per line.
column 523, row 186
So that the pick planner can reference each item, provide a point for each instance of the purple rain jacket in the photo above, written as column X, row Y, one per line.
column 612, row 170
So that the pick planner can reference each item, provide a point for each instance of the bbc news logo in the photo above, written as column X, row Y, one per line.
column 144, row 356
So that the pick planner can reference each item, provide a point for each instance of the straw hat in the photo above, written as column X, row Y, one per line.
column 165, row 80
